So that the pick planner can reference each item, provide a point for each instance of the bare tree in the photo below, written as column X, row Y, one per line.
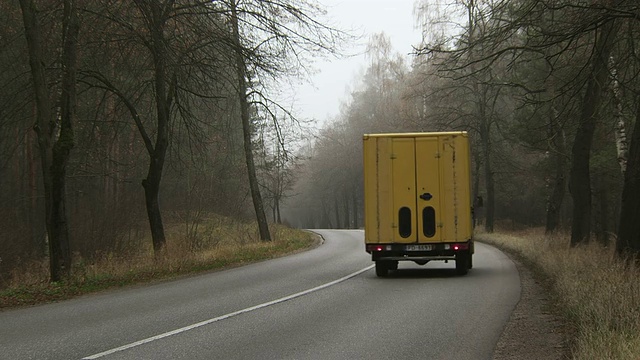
column 580, row 180
column 180, row 47
column 54, row 131
column 156, row 14
column 243, row 96
column 270, row 40
column 475, row 81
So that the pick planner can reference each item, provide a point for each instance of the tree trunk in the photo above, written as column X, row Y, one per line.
column 488, row 174
column 54, row 153
column 477, row 204
column 557, row 149
column 154, row 12
column 628, row 241
column 557, row 196
column 65, row 141
column 38, row 229
column 580, row 182
column 485, row 121
column 476, row 175
column 258, row 205
column 279, row 188
column 620, row 127
column 601, row 210
column 490, row 211
column 151, row 187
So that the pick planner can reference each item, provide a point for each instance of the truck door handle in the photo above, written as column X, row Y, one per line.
column 426, row 196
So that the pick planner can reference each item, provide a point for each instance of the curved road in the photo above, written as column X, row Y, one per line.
column 325, row 303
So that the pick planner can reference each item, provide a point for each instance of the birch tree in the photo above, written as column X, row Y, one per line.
column 622, row 146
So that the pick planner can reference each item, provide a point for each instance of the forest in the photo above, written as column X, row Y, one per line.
column 548, row 91
column 120, row 117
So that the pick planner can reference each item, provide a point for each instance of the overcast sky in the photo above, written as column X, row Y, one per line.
column 331, row 85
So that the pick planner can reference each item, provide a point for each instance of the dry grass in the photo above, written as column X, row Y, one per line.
column 597, row 293
column 218, row 243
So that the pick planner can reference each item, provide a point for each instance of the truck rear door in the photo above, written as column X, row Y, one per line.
column 417, row 188
column 428, row 196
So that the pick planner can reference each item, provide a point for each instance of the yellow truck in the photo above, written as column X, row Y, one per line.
column 417, row 199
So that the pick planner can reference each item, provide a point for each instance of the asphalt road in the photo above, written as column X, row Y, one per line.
column 325, row 303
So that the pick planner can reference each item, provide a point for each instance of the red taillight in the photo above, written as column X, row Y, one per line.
column 376, row 248
column 463, row 246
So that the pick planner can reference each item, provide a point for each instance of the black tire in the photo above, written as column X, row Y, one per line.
column 470, row 261
column 382, row 268
column 393, row 265
column 463, row 262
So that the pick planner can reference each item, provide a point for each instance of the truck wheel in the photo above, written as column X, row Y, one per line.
column 393, row 265
column 470, row 261
column 463, row 262
column 382, row 268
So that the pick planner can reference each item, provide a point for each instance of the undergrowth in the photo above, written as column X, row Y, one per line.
column 218, row 243
column 597, row 292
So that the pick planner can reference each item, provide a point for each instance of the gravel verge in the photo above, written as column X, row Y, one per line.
column 533, row 332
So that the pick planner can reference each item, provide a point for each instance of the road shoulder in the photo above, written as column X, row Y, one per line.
column 534, row 331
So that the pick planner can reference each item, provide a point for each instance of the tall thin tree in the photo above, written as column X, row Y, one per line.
column 241, row 74
column 55, row 135
column 579, row 178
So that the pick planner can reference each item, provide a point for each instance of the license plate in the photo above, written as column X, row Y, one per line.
column 418, row 247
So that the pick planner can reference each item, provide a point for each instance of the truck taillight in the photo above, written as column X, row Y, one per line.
column 378, row 247
column 457, row 247
column 463, row 246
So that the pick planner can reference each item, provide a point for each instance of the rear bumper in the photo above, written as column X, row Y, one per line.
column 399, row 252
column 408, row 257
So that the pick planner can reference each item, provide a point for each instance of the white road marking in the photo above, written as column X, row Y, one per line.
column 223, row 317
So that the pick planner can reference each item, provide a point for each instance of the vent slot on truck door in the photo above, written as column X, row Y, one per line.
column 404, row 222
column 429, row 221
